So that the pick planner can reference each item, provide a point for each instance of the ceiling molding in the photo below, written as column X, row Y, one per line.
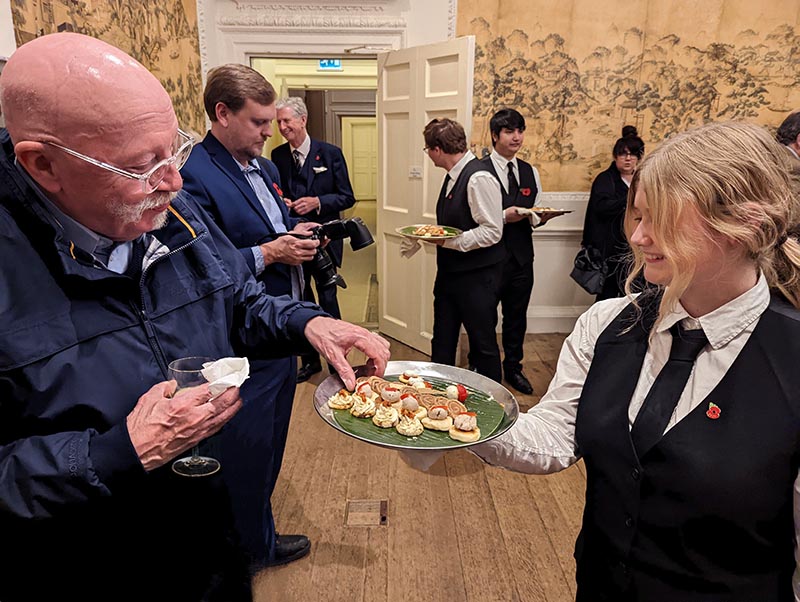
column 315, row 20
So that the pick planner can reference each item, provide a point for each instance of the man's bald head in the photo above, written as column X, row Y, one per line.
column 67, row 93
column 68, row 86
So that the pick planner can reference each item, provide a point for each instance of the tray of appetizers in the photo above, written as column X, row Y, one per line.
column 428, row 231
column 418, row 405
column 530, row 210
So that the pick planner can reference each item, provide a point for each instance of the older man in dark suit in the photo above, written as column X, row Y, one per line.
column 317, row 187
column 241, row 191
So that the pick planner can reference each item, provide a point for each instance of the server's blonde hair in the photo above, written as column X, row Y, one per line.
column 742, row 185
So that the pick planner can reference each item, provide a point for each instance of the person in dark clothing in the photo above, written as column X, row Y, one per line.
column 788, row 133
column 603, row 224
column 520, row 187
column 109, row 273
column 316, row 188
column 241, row 191
column 468, row 266
column 684, row 402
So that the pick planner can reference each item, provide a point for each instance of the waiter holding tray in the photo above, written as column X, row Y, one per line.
column 468, row 265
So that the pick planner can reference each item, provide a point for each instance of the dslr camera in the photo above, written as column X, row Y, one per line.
column 322, row 267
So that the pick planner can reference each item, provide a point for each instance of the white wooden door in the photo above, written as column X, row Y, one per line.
column 415, row 85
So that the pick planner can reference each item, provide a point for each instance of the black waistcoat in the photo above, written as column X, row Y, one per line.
column 517, row 236
column 298, row 181
column 706, row 514
column 453, row 210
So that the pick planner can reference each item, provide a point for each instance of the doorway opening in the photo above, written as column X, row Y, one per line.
column 341, row 111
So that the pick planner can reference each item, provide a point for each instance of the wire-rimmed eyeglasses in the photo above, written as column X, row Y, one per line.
column 153, row 177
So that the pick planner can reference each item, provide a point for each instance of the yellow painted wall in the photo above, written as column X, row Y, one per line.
column 578, row 70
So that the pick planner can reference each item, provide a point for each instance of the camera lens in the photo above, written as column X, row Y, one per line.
column 360, row 236
column 324, row 271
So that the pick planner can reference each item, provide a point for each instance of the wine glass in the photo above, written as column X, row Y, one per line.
column 188, row 373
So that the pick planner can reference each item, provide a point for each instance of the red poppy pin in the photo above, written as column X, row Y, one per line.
column 525, row 191
column 713, row 411
column 277, row 189
column 316, row 158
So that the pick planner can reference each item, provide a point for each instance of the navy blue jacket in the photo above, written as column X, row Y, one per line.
column 324, row 175
column 79, row 345
column 252, row 445
column 214, row 179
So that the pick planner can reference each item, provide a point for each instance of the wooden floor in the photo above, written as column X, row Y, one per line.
column 463, row 531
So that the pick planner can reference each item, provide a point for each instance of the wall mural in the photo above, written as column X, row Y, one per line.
column 576, row 101
column 161, row 35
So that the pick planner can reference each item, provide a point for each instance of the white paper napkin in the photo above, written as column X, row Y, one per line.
column 409, row 246
column 225, row 373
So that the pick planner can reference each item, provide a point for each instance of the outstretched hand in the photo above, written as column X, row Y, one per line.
column 163, row 424
column 335, row 338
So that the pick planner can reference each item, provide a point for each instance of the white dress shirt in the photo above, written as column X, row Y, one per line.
column 542, row 440
column 302, row 150
column 501, row 167
column 253, row 175
column 485, row 204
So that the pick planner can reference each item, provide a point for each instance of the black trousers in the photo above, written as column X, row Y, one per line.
column 326, row 299
column 515, row 295
column 469, row 298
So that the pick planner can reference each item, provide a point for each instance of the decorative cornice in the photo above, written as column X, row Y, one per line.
column 308, row 8
column 332, row 20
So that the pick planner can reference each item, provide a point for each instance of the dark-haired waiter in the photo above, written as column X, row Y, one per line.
column 520, row 183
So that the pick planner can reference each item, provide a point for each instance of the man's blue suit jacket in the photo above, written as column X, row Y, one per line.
column 324, row 175
column 213, row 177
column 251, row 445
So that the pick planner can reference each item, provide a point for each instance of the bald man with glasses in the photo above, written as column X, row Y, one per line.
column 105, row 280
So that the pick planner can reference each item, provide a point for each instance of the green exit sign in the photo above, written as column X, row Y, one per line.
column 330, row 65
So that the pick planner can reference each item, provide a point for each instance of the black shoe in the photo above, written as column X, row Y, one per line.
column 289, row 548
column 518, row 381
column 307, row 371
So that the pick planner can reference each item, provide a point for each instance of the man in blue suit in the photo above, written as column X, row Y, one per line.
column 241, row 192
column 317, row 188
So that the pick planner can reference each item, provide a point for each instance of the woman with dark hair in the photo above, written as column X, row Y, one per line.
column 603, row 225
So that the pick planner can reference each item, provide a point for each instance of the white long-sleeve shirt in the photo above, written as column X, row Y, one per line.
column 485, row 204
column 501, row 167
column 542, row 440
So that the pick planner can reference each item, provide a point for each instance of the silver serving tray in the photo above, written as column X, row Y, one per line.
column 331, row 385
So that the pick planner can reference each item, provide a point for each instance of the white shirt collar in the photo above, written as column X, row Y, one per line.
column 725, row 323
column 304, row 148
column 501, row 162
column 458, row 167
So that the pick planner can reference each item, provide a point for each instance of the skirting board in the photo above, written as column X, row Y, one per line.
column 553, row 319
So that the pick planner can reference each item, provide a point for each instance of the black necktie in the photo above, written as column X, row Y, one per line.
column 443, row 191
column 296, row 156
column 660, row 402
column 513, row 185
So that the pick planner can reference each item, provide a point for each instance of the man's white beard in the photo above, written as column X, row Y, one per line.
column 132, row 214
